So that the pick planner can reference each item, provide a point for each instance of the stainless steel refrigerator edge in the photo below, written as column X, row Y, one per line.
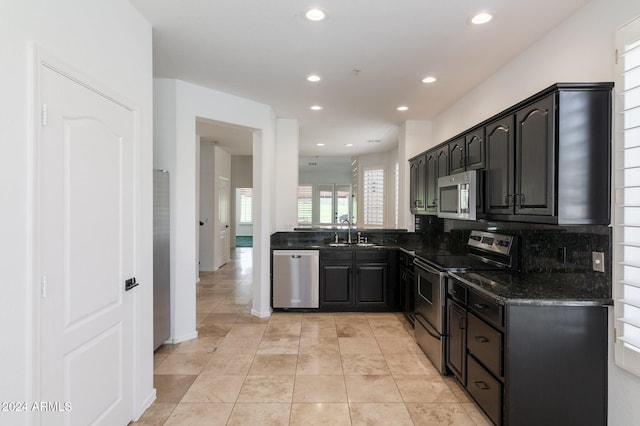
column 296, row 278
column 161, row 268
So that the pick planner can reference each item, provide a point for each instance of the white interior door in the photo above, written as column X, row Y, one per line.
column 86, row 252
column 223, row 248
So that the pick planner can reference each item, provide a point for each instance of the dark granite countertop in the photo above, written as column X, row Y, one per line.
column 326, row 246
column 555, row 288
column 410, row 248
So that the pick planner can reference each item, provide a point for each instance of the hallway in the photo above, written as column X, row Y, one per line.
column 297, row 368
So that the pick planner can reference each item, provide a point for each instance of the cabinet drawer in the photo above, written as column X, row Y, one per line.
column 457, row 291
column 371, row 255
column 485, row 343
column 485, row 389
column 337, row 254
column 485, row 308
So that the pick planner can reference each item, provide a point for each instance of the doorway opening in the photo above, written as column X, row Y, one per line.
column 225, row 189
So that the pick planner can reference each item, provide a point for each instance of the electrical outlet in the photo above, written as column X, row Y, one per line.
column 598, row 261
column 562, row 255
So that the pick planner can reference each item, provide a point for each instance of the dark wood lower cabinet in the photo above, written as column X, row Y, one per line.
column 530, row 363
column 336, row 285
column 371, row 283
column 457, row 340
column 358, row 280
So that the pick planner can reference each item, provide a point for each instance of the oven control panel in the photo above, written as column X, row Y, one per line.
column 488, row 241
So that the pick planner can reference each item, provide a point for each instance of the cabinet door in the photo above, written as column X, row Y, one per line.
column 535, row 159
column 336, row 284
column 499, row 178
column 431, row 182
column 417, row 182
column 456, row 345
column 372, row 285
column 475, row 150
column 442, row 161
column 457, row 155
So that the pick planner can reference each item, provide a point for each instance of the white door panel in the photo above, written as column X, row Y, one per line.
column 86, row 240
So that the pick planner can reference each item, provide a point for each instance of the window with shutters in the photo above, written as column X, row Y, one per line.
column 305, row 205
column 397, row 197
column 626, row 181
column 245, row 205
column 373, row 197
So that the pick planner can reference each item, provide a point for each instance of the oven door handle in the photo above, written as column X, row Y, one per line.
column 420, row 264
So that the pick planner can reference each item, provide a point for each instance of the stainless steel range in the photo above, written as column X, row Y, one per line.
column 487, row 251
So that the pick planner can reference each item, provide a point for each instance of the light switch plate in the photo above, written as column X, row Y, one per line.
column 598, row 261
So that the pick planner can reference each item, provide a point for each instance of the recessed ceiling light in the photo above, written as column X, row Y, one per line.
column 402, row 108
column 429, row 79
column 481, row 18
column 315, row 15
column 319, row 144
column 316, row 107
column 313, row 78
column 348, row 144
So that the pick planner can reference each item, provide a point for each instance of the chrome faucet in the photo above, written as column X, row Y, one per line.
column 348, row 230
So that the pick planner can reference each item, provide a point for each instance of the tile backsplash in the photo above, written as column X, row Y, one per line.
column 539, row 244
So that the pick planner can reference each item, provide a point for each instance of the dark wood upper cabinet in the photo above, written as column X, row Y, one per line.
column 535, row 158
column 475, row 150
column 431, row 182
column 457, row 155
column 549, row 160
column 499, row 180
column 417, row 182
column 543, row 160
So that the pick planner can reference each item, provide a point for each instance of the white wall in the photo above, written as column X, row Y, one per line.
column 178, row 103
column 241, row 177
column 81, row 34
column 414, row 138
column 328, row 176
column 387, row 161
column 580, row 49
column 287, row 134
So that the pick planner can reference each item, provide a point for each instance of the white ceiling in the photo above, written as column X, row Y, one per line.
column 263, row 50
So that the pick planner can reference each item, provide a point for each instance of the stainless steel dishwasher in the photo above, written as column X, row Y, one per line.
column 295, row 278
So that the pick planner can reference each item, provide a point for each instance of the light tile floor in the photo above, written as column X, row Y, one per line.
column 297, row 368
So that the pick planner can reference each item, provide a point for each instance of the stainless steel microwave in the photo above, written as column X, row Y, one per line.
column 457, row 196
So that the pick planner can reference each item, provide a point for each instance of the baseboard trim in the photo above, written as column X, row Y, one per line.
column 146, row 403
column 183, row 338
column 260, row 314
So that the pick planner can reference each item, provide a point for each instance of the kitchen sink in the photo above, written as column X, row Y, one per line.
column 351, row 245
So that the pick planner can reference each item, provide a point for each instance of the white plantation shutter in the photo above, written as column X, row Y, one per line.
column 397, row 196
column 626, row 164
column 305, row 205
column 373, row 197
column 245, row 204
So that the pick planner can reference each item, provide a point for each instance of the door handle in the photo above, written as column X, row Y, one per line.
column 481, row 339
column 481, row 385
column 130, row 283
